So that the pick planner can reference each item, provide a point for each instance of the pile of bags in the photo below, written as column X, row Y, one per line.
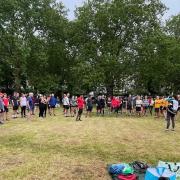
column 142, row 171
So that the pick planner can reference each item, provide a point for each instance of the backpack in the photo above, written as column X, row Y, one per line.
column 139, row 167
column 127, row 177
column 115, row 169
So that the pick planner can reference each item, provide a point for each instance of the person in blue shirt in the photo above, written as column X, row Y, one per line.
column 31, row 104
column 52, row 104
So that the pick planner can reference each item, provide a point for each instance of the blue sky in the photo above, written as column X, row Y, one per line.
column 173, row 5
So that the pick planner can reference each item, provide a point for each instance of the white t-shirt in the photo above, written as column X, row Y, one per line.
column 139, row 103
column 66, row 101
column 23, row 101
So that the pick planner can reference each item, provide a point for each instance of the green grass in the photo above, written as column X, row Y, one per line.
column 60, row 148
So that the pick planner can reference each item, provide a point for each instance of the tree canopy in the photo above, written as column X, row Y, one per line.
column 112, row 46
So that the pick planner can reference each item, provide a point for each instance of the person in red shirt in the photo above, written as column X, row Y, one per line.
column 113, row 104
column 117, row 103
column 80, row 104
column 6, row 105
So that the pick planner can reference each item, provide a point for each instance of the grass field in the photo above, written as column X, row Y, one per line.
column 59, row 148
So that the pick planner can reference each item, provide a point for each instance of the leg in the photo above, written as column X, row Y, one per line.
column 168, row 120
column 173, row 122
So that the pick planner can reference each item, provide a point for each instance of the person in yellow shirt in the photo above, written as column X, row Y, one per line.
column 157, row 105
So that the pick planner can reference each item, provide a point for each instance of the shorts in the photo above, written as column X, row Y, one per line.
column 99, row 107
column 145, row 107
column 164, row 108
column 129, row 107
column 138, row 109
column 6, row 109
column 1, row 111
column 66, row 106
column 89, row 108
column 156, row 110
column 15, row 108
column 80, row 112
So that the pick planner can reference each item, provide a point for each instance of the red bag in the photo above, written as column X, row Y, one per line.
column 127, row 177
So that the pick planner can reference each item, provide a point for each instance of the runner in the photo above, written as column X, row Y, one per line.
column 52, row 104
column 109, row 105
column 80, row 103
column 139, row 104
column 73, row 104
column 1, row 109
column 151, row 105
column 145, row 106
column 15, row 104
column 89, row 106
column 157, row 105
column 66, row 105
column 171, row 112
column 23, row 104
column 30, row 104
column 102, row 104
column 6, row 106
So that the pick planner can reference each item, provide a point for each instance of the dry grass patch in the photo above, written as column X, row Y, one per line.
column 60, row 148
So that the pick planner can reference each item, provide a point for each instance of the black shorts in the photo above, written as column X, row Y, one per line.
column 164, row 108
column 15, row 108
column 80, row 111
column 89, row 108
column 156, row 110
column 1, row 111
column 66, row 107
column 6, row 109
column 52, row 107
column 129, row 107
column 138, row 109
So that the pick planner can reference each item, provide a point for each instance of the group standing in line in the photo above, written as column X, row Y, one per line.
column 73, row 106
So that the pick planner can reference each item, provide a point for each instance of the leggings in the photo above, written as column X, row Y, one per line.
column 170, row 117
column 41, row 110
column 150, row 109
column 23, row 111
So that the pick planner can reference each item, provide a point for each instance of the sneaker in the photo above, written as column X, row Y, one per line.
column 166, row 129
column 172, row 129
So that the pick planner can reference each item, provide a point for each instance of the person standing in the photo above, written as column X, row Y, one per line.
column 30, row 104
column 41, row 106
column 171, row 112
column 89, row 106
column 138, row 105
column 145, row 105
column 151, row 105
column 15, row 104
column 1, row 109
column 23, row 104
column 157, row 105
column 6, row 106
column 73, row 103
column 66, row 105
column 52, row 104
column 80, row 103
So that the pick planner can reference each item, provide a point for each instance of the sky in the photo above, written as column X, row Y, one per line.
column 173, row 5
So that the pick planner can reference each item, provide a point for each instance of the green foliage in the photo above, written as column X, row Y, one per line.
column 115, row 45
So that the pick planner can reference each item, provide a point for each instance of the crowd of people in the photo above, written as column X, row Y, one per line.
column 29, row 104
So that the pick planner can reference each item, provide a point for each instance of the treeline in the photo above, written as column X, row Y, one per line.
column 116, row 46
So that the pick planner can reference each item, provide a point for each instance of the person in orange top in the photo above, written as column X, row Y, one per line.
column 157, row 105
